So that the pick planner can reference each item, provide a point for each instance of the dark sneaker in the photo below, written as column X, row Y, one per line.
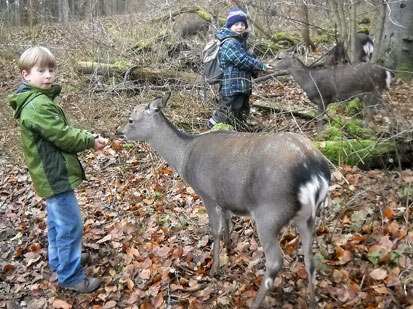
column 84, row 259
column 211, row 123
column 87, row 285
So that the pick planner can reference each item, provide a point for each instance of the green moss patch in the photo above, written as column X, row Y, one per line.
column 222, row 126
column 355, row 152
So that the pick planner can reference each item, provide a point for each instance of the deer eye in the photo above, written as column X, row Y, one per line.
column 130, row 121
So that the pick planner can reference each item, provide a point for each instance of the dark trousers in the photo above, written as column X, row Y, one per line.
column 232, row 109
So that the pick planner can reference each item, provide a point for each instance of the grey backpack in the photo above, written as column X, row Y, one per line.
column 211, row 70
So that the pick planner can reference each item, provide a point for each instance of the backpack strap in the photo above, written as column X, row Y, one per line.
column 226, row 39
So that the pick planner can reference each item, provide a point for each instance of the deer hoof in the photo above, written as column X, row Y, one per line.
column 214, row 270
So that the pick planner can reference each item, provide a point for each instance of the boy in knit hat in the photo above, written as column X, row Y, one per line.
column 239, row 66
column 50, row 145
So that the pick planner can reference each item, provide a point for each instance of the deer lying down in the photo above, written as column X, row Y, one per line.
column 325, row 86
column 271, row 178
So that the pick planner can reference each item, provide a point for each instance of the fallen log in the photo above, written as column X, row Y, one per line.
column 367, row 154
column 279, row 109
column 134, row 72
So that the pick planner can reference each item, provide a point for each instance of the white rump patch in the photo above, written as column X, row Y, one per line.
column 307, row 192
column 268, row 283
column 368, row 49
column 388, row 79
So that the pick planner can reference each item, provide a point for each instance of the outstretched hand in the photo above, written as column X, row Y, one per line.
column 100, row 143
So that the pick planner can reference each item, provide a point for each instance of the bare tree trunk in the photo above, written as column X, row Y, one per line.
column 45, row 11
column 305, row 21
column 345, row 14
column 14, row 12
column 108, row 8
column 379, row 31
column 23, row 12
column 397, row 40
column 30, row 14
column 120, row 7
column 92, row 9
column 4, row 13
column 334, row 11
column 73, row 7
column 352, row 32
column 54, row 9
column 343, row 22
column 63, row 11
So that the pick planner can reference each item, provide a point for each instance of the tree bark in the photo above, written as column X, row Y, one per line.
column 396, row 50
column 352, row 32
column 379, row 31
column 63, row 11
column 305, row 21
column 334, row 11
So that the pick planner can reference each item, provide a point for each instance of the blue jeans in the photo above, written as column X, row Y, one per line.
column 64, row 224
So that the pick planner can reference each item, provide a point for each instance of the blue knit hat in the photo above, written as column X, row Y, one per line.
column 236, row 15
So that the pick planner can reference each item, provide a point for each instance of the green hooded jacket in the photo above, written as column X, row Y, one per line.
column 49, row 142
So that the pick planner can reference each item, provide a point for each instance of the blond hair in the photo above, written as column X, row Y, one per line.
column 36, row 55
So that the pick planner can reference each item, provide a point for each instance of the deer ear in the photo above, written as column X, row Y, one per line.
column 157, row 105
column 166, row 98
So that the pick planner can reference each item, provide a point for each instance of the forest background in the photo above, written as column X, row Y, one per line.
column 146, row 230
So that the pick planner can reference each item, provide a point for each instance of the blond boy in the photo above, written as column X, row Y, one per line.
column 50, row 145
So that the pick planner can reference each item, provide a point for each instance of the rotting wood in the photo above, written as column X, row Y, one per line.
column 367, row 154
column 277, row 108
column 135, row 72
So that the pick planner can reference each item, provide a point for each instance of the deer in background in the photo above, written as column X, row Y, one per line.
column 364, row 47
column 194, row 27
column 272, row 178
column 363, row 52
column 325, row 86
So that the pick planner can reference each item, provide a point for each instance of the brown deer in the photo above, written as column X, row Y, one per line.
column 325, row 86
column 272, row 178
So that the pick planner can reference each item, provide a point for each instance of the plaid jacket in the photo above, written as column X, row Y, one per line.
column 237, row 63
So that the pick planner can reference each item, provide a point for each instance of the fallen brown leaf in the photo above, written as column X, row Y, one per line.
column 378, row 274
column 61, row 304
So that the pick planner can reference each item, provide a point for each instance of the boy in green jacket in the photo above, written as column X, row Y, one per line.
column 50, row 145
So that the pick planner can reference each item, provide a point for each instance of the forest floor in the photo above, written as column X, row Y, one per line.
column 147, row 232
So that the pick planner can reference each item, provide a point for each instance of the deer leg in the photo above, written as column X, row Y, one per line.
column 372, row 102
column 320, row 115
column 305, row 227
column 268, row 231
column 226, row 217
column 217, row 222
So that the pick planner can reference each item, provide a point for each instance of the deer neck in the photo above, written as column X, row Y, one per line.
column 171, row 143
column 299, row 72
